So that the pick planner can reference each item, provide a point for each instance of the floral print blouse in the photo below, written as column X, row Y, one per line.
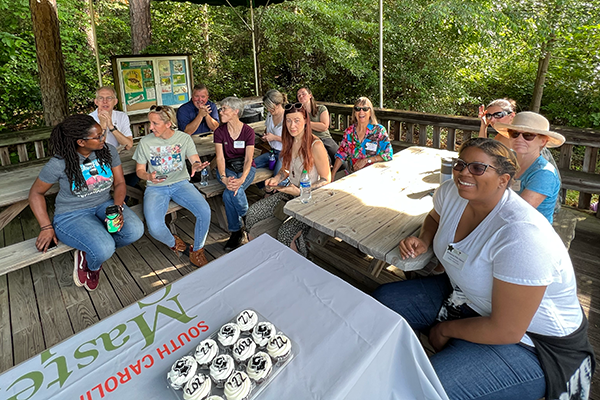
column 376, row 142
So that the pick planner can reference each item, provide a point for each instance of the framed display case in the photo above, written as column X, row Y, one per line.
column 142, row 81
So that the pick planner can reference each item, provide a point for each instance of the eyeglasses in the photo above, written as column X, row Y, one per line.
column 365, row 109
column 291, row 106
column 96, row 138
column 475, row 168
column 497, row 115
column 527, row 136
column 108, row 98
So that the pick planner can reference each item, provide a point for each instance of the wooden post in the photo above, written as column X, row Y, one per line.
column 451, row 140
column 422, row 135
column 436, row 137
column 589, row 165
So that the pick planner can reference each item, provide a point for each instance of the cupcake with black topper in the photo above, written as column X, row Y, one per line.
column 214, row 397
column 262, row 332
column 221, row 369
column 246, row 320
column 259, row 367
column 279, row 348
column 197, row 388
column 228, row 335
column 181, row 372
column 238, row 386
column 205, row 352
column 243, row 349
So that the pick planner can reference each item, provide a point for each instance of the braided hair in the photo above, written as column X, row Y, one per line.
column 63, row 144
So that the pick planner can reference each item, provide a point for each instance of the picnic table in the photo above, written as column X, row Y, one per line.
column 375, row 208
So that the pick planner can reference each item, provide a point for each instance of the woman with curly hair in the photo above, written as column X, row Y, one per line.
column 86, row 168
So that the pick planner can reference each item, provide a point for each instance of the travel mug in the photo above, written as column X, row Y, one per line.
column 112, row 212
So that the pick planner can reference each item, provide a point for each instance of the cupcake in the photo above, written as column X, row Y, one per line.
column 221, row 368
column 197, row 388
column 206, row 351
column 279, row 348
column 181, row 372
column 246, row 320
column 238, row 386
column 262, row 332
column 243, row 349
column 214, row 397
column 259, row 367
column 228, row 334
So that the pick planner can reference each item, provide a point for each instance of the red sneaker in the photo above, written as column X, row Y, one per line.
column 80, row 271
column 93, row 277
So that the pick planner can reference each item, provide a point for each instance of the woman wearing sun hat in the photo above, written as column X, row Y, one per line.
column 537, row 180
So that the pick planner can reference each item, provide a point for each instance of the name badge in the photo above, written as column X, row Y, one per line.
column 239, row 144
column 516, row 185
column 454, row 257
column 371, row 146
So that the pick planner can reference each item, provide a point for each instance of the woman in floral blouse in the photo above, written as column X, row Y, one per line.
column 365, row 142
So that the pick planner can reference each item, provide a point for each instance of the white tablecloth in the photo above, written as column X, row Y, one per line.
column 349, row 346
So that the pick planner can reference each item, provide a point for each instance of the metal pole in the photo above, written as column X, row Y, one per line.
column 381, row 53
column 93, row 20
column 254, row 49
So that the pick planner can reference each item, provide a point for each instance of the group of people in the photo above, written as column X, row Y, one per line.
column 501, row 309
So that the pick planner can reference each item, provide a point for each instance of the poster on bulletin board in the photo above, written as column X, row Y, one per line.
column 147, row 80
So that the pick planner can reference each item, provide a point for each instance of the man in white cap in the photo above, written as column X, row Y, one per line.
column 115, row 123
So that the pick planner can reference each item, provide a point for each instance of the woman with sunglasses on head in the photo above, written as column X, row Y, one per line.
column 274, row 101
column 365, row 142
column 319, row 118
column 86, row 169
column 500, row 110
column 506, row 309
column 234, row 145
column 160, row 158
column 302, row 151
column 538, row 181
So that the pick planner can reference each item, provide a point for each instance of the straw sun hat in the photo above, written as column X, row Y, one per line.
column 530, row 122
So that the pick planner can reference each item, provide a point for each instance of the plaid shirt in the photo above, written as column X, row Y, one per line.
column 376, row 142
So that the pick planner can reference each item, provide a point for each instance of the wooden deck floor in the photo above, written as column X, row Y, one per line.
column 40, row 306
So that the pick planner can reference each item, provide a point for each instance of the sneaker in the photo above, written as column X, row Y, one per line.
column 197, row 257
column 93, row 277
column 235, row 240
column 180, row 245
column 80, row 271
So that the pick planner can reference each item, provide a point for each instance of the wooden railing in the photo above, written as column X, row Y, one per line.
column 406, row 128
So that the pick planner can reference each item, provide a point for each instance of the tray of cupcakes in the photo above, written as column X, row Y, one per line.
column 235, row 363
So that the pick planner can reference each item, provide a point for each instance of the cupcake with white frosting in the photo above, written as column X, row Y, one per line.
column 243, row 349
column 214, row 397
column 279, row 348
column 228, row 334
column 259, row 367
column 262, row 332
column 206, row 351
column 238, row 386
column 246, row 320
column 181, row 372
column 221, row 369
column 197, row 388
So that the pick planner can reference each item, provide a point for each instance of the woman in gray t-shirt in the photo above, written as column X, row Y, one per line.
column 86, row 168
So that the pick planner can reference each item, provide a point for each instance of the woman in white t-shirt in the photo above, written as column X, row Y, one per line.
column 508, row 280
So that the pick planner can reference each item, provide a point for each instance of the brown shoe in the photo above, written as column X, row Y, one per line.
column 180, row 245
column 197, row 257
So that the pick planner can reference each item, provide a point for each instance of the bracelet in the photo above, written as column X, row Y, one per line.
column 48, row 227
column 197, row 162
column 45, row 226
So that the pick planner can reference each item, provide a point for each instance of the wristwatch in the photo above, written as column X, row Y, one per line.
column 114, row 128
column 369, row 161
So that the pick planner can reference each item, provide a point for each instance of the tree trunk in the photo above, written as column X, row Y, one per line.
column 46, row 31
column 141, row 27
column 540, row 78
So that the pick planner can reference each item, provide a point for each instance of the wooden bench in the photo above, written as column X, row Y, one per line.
column 23, row 254
column 213, row 191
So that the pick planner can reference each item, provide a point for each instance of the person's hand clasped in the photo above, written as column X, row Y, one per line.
column 233, row 184
column 360, row 164
column 45, row 239
column 436, row 339
column 268, row 137
column 105, row 118
column 412, row 247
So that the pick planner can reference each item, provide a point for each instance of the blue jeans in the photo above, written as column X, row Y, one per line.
column 156, row 204
column 85, row 230
column 236, row 206
column 262, row 161
column 467, row 370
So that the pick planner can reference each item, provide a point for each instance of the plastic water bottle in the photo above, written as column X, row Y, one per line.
column 204, row 177
column 305, row 187
column 272, row 161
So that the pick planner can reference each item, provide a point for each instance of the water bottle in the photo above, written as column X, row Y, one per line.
column 112, row 212
column 305, row 187
column 204, row 177
column 272, row 161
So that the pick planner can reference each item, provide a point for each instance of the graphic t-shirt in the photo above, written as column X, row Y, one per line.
column 99, row 179
column 166, row 156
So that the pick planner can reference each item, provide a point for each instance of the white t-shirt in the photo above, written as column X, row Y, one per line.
column 275, row 130
column 515, row 244
column 120, row 121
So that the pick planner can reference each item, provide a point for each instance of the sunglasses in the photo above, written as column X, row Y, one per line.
column 96, row 138
column 497, row 115
column 159, row 108
column 527, row 136
column 365, row 109
column 475, row 168
column 293, row 106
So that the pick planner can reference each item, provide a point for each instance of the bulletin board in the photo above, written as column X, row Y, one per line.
column 147, row 80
